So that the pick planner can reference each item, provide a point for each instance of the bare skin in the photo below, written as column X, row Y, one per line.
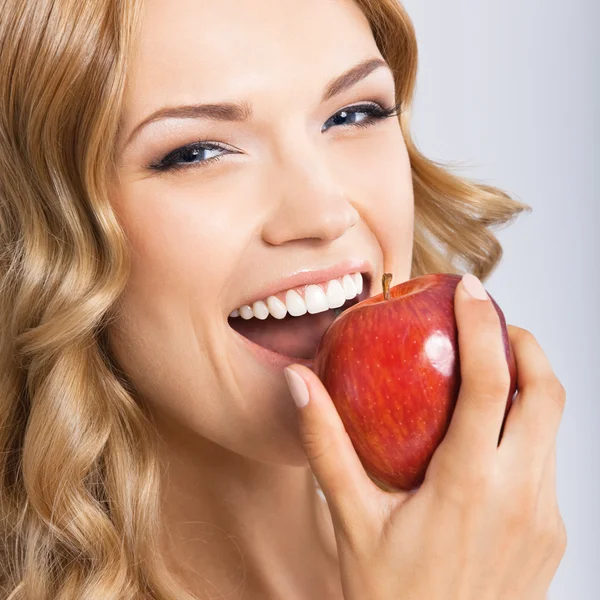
column 485, row 524
column 287, row 194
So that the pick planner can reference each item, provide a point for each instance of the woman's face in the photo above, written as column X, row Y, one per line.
column 298, row 186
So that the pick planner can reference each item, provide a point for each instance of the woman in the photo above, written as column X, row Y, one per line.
column 147, row 448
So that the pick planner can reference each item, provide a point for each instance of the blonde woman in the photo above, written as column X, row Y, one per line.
column 165, row 167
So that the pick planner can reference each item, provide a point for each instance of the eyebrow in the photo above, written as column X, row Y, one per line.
column 242, row 111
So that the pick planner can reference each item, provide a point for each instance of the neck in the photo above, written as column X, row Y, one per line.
column 235, row 524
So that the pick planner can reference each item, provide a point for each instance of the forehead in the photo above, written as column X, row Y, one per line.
column 235, row 49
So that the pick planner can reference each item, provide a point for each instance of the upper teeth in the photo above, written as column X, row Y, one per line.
column 314, row 299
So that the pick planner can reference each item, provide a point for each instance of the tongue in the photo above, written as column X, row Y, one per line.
column 297, row 337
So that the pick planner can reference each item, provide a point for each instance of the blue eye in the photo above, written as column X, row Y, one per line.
column 192, row 155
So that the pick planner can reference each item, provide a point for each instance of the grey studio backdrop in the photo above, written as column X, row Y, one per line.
column 511, row 92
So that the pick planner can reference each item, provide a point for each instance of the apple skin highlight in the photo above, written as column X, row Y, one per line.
column 392, row 369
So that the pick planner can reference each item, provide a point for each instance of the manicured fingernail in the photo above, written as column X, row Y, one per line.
column 474, row 287
column 297, row 387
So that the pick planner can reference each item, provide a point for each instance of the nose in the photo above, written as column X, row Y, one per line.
column 310, row 204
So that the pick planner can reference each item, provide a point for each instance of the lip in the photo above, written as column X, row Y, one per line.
column 279, row 361
column 273, row 359
column 300, row 279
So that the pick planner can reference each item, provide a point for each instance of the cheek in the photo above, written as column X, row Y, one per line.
column 396, row 231
column 167, row 330
column 384, row 189
column 180, row 247
column 181, row 241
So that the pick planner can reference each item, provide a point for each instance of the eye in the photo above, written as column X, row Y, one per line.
column 188, row 155
column 373, row 111
column 192, row 155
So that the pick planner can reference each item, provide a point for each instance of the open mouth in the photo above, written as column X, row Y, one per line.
column 294, row 337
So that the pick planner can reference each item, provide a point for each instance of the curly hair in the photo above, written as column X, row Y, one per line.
column 79, row 473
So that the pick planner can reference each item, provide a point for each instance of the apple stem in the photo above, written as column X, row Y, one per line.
column 386, row 280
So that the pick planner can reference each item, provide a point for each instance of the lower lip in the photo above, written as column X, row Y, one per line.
column 279, row 361
column 273, row 359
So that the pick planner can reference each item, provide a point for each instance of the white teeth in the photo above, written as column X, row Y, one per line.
column 316, row 300
column 246, row 312
column 349, row 287
column 260, row 310
column 294, row 303
column 358, row 282
column 276, row 307
column 335, row 294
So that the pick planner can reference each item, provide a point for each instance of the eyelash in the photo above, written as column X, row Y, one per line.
column 170, row 161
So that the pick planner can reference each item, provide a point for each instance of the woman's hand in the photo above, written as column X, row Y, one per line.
column 485, row 524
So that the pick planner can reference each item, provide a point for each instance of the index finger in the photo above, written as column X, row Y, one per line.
column 481, row 406
column 534, row 419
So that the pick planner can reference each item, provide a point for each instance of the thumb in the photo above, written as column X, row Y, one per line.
column 349, row 491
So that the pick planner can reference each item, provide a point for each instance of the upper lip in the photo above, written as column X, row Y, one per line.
column 308, row 276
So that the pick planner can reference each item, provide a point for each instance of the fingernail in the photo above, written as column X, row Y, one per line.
column 297, row 387
column 474, row 287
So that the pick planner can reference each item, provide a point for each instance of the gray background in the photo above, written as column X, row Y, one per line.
column 511, row 91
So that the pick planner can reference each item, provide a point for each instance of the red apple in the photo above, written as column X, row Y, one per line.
column 392, row 368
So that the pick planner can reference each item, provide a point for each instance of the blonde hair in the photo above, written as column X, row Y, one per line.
column 79, row 473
